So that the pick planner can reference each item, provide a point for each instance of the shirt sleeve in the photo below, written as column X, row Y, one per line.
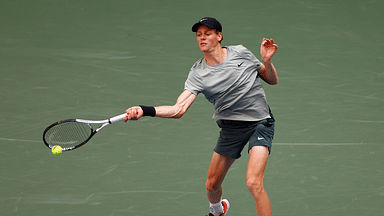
column 249, row 55
column 193, row 83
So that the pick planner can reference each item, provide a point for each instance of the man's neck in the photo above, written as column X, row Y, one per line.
column 216, row 57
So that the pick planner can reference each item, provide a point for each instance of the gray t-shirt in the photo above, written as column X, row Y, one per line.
column 233, row 86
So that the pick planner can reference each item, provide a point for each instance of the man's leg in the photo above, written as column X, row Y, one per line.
column 217, row 170
column 258, row 157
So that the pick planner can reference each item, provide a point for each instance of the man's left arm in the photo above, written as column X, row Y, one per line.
column 268, row 71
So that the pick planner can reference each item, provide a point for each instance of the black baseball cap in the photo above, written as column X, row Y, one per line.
column 209, row 22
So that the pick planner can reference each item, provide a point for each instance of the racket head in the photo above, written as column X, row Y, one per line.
column 68, row 134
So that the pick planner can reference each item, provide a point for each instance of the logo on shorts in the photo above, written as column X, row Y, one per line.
column 260, row 138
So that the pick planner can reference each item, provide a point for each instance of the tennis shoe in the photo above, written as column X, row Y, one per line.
column 226, row 207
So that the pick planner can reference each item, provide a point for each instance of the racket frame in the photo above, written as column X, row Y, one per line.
column 87, row 122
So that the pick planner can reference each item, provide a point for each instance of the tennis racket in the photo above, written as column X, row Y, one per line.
column 72, row 133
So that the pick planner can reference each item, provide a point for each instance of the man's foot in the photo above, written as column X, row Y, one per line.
column 226, row 207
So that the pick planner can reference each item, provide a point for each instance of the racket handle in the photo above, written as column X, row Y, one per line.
column 117, row 118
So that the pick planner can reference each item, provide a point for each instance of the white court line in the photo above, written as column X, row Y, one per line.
column 365, row 121
column 319, row 144
column 20, row 140
column 294, row 144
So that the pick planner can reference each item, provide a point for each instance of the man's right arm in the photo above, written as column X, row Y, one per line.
column 184, row 101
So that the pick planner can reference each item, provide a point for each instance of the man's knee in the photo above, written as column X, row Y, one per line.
column 255, row 185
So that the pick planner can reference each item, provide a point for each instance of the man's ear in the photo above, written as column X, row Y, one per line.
column 221, row 36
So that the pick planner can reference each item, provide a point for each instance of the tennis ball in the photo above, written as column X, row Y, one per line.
column 56, row 150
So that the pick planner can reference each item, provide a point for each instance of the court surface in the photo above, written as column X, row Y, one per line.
column 93, row 59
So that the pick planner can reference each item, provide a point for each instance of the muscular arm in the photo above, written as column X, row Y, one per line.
column 268, row 71
column 184, row 101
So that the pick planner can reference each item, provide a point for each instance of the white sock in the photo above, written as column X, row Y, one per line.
column 216, row 209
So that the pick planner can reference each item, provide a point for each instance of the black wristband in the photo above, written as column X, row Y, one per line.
column 148, row 110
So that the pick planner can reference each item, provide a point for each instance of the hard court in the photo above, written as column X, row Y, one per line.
column 94, row 59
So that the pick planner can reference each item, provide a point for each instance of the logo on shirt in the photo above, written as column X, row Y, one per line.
column 239, row 65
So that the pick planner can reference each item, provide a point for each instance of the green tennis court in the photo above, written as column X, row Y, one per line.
column 93, row 59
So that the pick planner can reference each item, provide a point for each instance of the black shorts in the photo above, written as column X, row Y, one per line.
column 234, row 135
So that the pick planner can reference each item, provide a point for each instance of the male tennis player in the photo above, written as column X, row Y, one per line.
column 229, row 77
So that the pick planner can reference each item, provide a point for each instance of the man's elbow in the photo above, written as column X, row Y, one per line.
column 177, row 116
column 274, row 81
column 181, row 111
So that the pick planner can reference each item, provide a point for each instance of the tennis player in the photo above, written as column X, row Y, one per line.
column 230, row 78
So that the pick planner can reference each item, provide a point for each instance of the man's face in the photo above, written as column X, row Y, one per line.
column 208, row 39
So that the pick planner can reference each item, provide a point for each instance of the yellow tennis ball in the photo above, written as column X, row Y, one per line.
column 56, row 150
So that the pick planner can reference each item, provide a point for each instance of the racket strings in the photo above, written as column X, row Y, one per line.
column 68, row 134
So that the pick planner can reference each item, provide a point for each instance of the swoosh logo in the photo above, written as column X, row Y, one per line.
column 260, row 138
column 239, row 65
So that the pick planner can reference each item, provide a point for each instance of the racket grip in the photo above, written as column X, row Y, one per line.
column 117, row 118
